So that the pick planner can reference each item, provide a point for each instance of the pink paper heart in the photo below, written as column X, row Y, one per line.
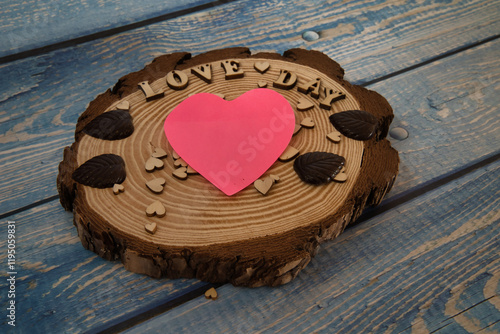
column 231, row 143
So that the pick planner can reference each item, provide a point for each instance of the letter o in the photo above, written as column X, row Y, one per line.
column 177, row 80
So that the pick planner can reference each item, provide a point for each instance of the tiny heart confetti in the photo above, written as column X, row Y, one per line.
column 151, row 228
column 156, row 185
column 180, row 173
column 124, row 105
column 153, row 163
column 118, row 188
column 263, row 185
column 307, row 122
column 261, row 66
column 155, row 209
column 211, row 294
column 159, row 153
column 304, row 104
column 231, row 143
column 334, row 136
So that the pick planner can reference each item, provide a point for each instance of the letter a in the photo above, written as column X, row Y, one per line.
column 312, row 86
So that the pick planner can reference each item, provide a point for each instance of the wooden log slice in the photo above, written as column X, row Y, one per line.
column 189, row 228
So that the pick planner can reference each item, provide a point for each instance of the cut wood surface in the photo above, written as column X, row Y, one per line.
column 436, row 63
column 201, row 232
column 40, row 111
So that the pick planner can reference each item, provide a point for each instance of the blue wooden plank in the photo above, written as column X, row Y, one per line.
column 50, row 238
column 38, row 122
column 63, row 288
column 46, row 111
column 437, row 105
column 429, row 265
column 38, row 119
column 32, row 24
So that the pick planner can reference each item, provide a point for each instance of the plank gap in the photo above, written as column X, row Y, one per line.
column 110, row 32
column 127, row 322
column 30, row 206
column 429, row 61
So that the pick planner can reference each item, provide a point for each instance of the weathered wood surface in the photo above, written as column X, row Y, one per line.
column 63, row 288
column 42, row 97
column 449, row 105
column 415, row 269
column 32, row 24
column 60, row 232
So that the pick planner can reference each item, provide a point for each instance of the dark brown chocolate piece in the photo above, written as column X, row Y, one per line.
column 355, row 124
column 111, row 125
column 102, row 171
column 318, row 167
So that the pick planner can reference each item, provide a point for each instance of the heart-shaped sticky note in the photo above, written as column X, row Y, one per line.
column 231, row 143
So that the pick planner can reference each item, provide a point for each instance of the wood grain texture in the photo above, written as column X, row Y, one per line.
column 205, row 233
column 484, row 68
column 427, row 266
column 195, row 201
column 370, row 39
column 461, row 143
column 44, row 95
column 440, row 111
column 62, row 288
column 33, row 24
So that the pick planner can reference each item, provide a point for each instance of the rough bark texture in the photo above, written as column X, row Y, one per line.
column 252, row 262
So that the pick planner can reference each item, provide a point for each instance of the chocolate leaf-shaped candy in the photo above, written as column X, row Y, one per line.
column 111, row 125
column 318, row 167
column 102, row 171
column 355, row 124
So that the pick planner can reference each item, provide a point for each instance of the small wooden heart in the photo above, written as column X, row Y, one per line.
column 297, row 129
column 156, row 185
column 263, row 185
column 159, row 153
column 340, row 177
column 156, row 209
column 180, row 173
column 222, row 96
column 180, row 163
column 307, row 122
column 289, row 153
column 261, row 66
column 118, row 188
column 334, row 136
column 124, row 105
column 304, row 104
column 190, row 170
column 153, row 163
column 211, row 294
column 150, row 228
column 274, row 177
column 261, row 84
